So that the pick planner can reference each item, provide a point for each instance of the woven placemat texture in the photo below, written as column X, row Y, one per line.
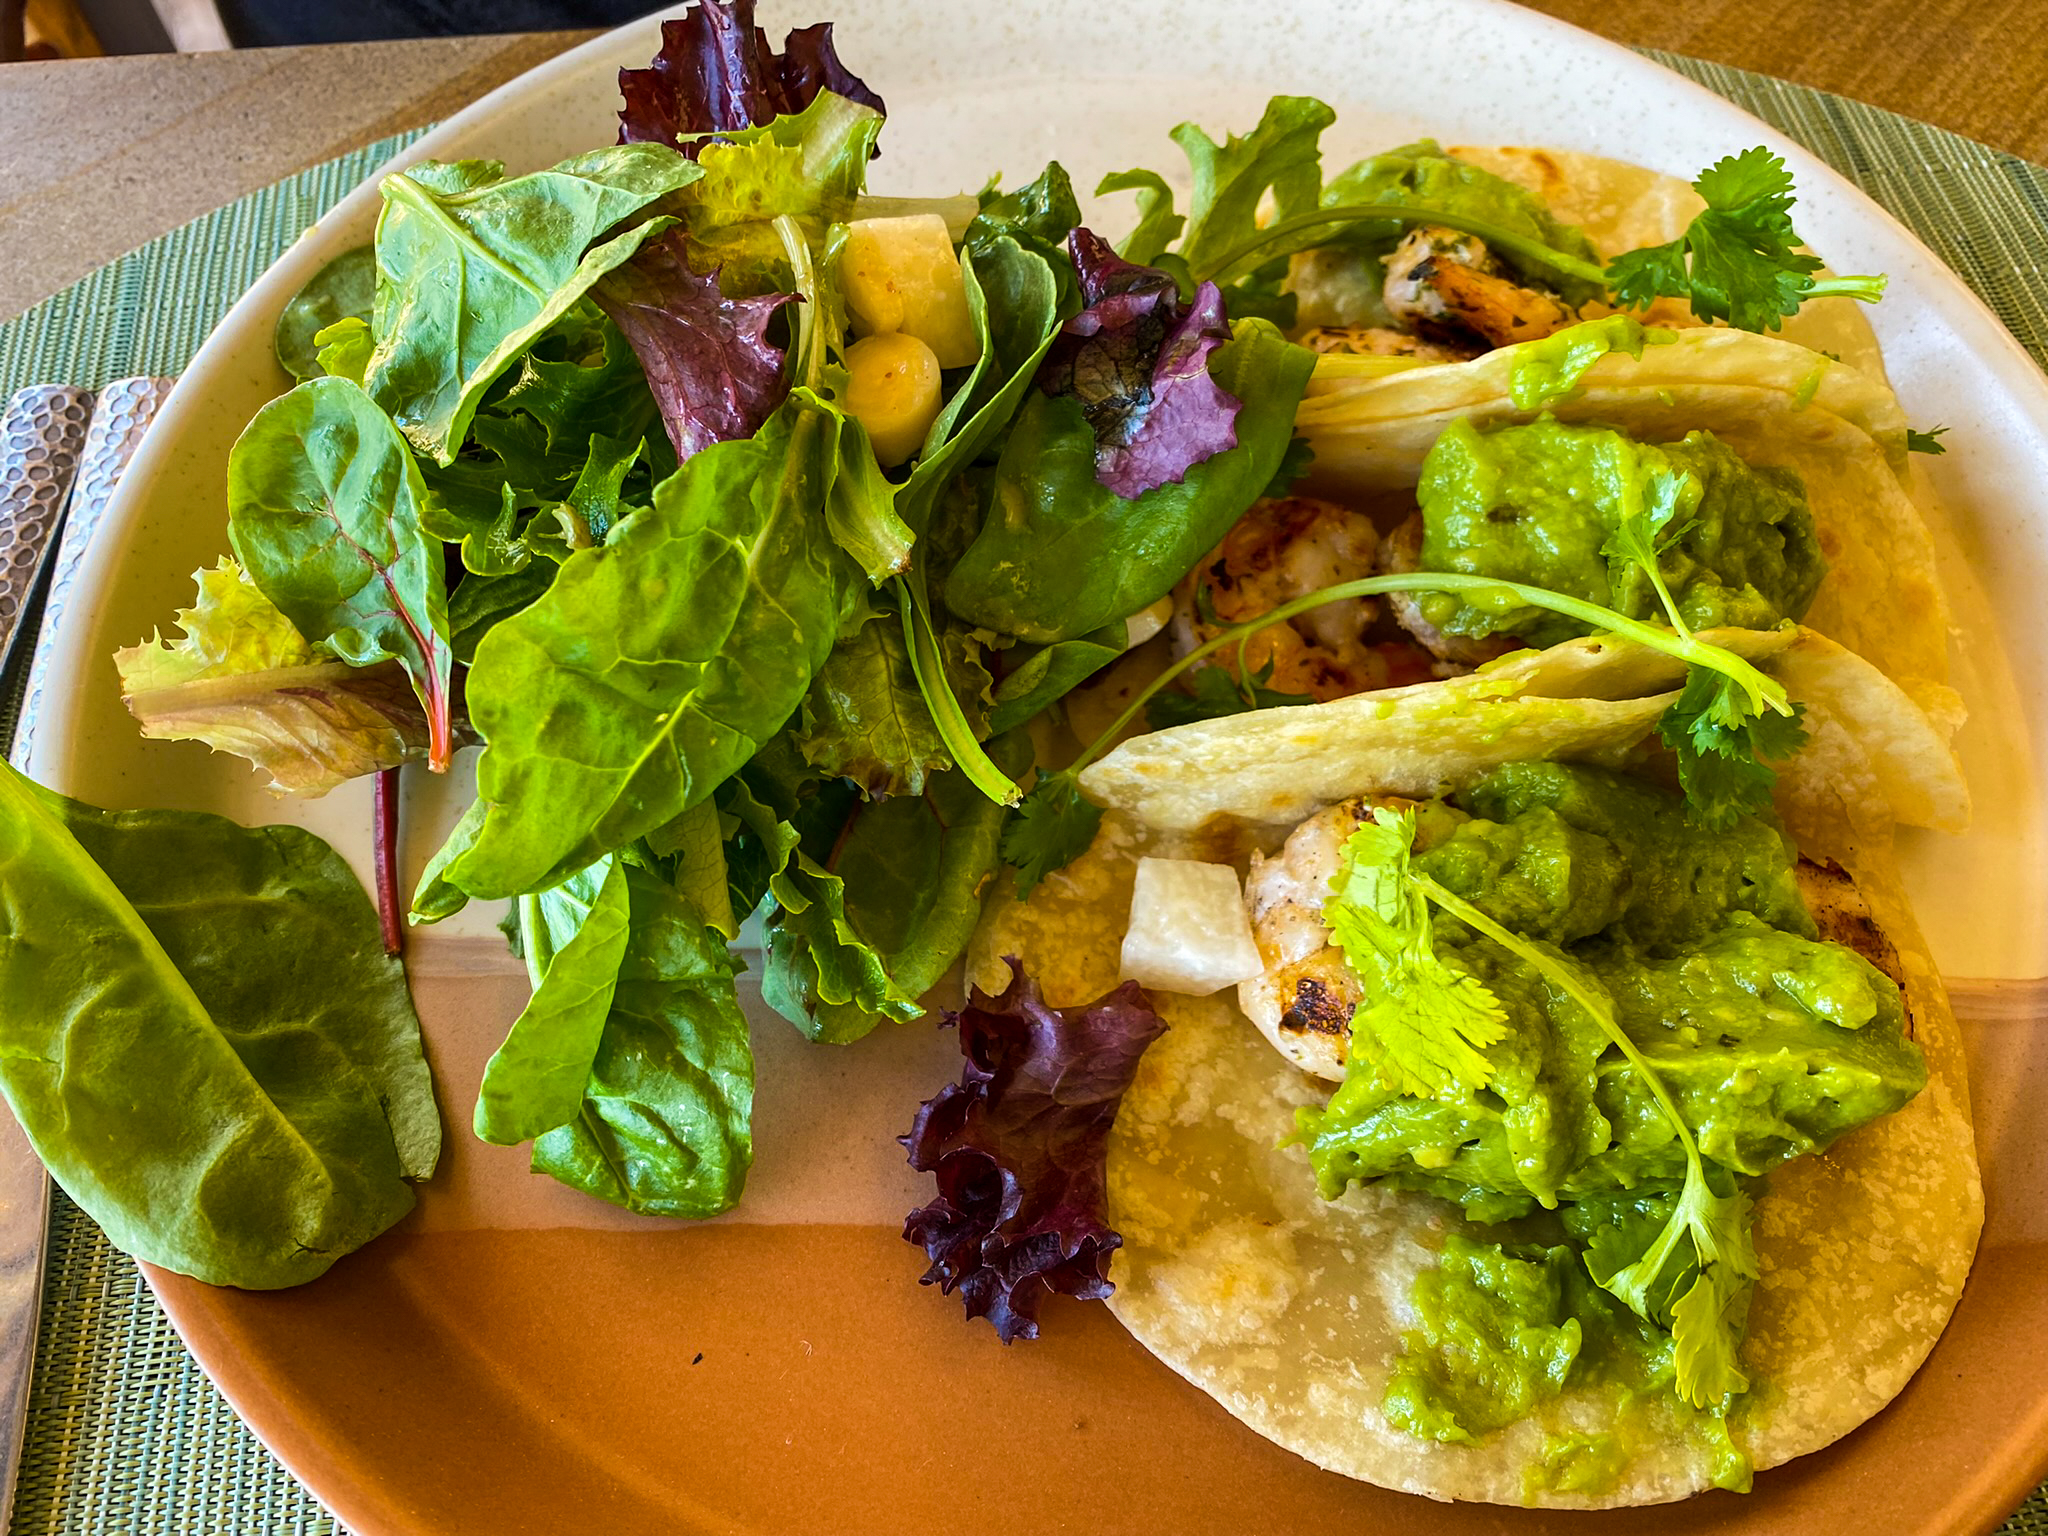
column 125, row 1434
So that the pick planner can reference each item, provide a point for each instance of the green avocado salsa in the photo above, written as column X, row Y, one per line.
column 1771, row 1042
column 1538, row 503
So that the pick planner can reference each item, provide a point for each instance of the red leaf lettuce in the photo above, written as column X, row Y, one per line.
column 707, row 358
column 1018, row 1145
column 1137, row 359
column 716, row 74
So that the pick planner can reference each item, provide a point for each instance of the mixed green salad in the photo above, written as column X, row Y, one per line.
column 756, row 528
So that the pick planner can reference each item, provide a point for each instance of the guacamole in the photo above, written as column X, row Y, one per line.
column 1538, row 503
column 1771, row 1042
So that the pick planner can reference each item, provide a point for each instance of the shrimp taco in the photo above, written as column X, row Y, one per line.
column 1565, row 1140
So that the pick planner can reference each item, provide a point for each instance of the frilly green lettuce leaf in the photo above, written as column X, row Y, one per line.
column 241, row 679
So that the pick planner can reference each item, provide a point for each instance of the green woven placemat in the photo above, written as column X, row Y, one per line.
column 125, row 1434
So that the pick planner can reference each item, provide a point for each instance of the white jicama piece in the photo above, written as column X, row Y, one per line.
column 892, row 389
column 902, row 275
column 1188, row 931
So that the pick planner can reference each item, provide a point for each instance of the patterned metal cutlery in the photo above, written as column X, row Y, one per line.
column 62, row 451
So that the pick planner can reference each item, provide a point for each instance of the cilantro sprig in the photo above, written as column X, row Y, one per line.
column 1056, row 822
column 1739, row 260
column 1428, row 1033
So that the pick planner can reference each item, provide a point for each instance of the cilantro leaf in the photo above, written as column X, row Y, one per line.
column 1218, row 693
column 1426, row 1025
column 1053, row 827
column 1725, row 747
column 1740, row 259
column 1926, row 442
column 1658, row 507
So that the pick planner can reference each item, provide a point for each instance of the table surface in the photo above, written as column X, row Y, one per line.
column 99, row 155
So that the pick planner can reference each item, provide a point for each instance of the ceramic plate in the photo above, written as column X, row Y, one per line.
column 515, row 1357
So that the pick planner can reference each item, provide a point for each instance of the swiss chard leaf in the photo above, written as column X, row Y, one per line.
column 574, row 939
column 1069, row 555
column 658, row 663
column 204, row 1039
column 716, row 73
column 712, row 368
column 666, row 1124
column 473, row 268
column 325, row 511
column 1018, row 1147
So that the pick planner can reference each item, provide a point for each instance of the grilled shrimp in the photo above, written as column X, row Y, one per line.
column 1450, row 286
column 1401, row 550
column 1281, row 549
column 1304, row 1000
column 1379, row 341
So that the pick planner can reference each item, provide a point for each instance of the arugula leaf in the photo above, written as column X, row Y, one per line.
column 1739, row 260
column 1116, row 555
column 1053, row 827
column 1725, row 747
column 216, row 1112
column 1038, row 217
column 1217, row 693
column 1231, row 180
column 345, row 288
column 665, row 1127
column 573, row 937
column 1424, row 1026
column 472, row 268
column 1926, row 442
column 1158, row 225
column 324, row 510
column 657, row 663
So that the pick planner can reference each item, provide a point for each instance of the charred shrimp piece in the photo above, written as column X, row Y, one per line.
column 1304, row 1000
column 1450, row 287
column 1379, row 341
column 1842, row 914
column 1401, row 551
column 1286, row 548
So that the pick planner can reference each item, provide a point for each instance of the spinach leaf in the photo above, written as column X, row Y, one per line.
column 435, row 897
column 472, row 268
column 656, row 664
column 1037, row 217
column 574, row 939
column 665, row 1128
column 864, row 718
column 324, row 511
column 864, row 940
column 1038, row 675
column 344, row 289
column 203, row 1038
column 1068, row 556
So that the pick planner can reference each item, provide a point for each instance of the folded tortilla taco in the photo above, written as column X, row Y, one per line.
column 1555, row 1147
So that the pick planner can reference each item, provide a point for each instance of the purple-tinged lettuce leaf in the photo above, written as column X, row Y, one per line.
column 708, row 360
column 716, row 73
column 241, row 679
column 1018, row 1145
column 1137, row 359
